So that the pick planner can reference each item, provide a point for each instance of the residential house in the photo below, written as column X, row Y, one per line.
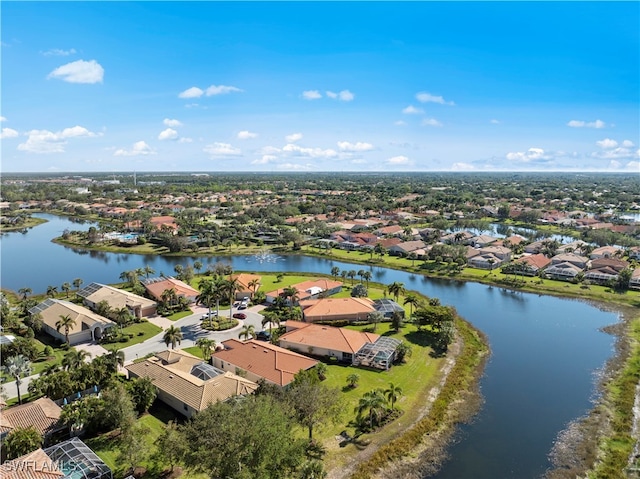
column 563, row 271
column 261, row 360
column 393, row 230
column 459, row 237
column 156, row 286
column 482, row 241
column 634, row 282
column 489, row 257
column 576, row 260
column 88, row 326
column 535, row 247
column 248, row 284
column 407, row 247
column 165, row 223
column 531, row 265
column 324, row 341
column 43, row 414
column 333, row 309
column 606, row 252
column 604, row 270
column 139, row 306
column 309, row 289
column 186, row 383
column 634, row 253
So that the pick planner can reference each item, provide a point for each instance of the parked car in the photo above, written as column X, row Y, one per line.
column 209, row 315
column 240, row 316
column 264, row 336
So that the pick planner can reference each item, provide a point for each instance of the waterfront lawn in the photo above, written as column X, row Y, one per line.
column 416, row 377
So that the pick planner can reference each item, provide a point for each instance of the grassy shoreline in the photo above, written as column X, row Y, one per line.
column 613, row 445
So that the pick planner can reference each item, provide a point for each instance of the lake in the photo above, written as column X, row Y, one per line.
column 546, row 351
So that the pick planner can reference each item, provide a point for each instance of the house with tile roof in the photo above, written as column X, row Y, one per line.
column 138, row 306
column 88, row 326
column 529, row 265
column 334, row 309
column 246, row 287
column 325, row 341
column 43, row 414
column 606, row 252
column 563, row 271
column 261, row 360
column 35, row 465
column 156, row 286
column 187, row 384
column 603, row 270
column 406, row 247
column 576, row 260
column 310, row 289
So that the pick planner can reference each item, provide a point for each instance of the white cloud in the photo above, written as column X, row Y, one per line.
column 607, row 143
column 59, row 52
column 8, row 133
column 295, row 167
column 193, row 92
column 398, row 160
column 3, row 118
column 461, row 166
column 79, row 72
column 611, row 151
column 264, row 160
column 168, row 134
column 359, row 146
column 311, row 95
column 297, row 150
column 332, row 94
column 246, row 135
column 185, row 140
column 430, row 122
column 346, row 95
column 633, row 166
column 424, row 97
column 45, row 141
column 221, row 90
column 139, row 148
column 586, row 124
column 171, row 123
column 222, row 149
column 358, row 161
column 494, row 122
column 412, row 110
column 532, row 154
column 293, row 137
column 400, row 123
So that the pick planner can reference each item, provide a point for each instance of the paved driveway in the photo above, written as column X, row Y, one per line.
column 192, row 331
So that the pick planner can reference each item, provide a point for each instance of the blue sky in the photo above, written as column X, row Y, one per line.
column 320, row 86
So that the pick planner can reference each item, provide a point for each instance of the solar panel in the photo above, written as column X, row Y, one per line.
column 89, row 290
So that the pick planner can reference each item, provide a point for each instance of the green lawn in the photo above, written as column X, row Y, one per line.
column 195, row 350
column 147, row 329
column 179, row 315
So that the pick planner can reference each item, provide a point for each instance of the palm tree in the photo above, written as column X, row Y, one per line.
column 115, row 359
column 74, row 359
column 254, row 284
column 413, row 301
column 361, row 274
column 271, row 319
column 197, row 265
column 378, row 249
column 396, row 289
column 65, row 322
column 247, row 332
column 25, row 292
column 169, row 297
column 77, row 283
column 351, row 274
column 121, row 316
column 50, row 369
column 66, row 287
column 124, row 276
column 207, row 296
column 207, row 346
column 352, row 380
column 375, row 317
column 373, row 402
column 148, row 270
column 393, row 393
column 291, row 294
column 367, row 277
column 396, row 321
column 52, row 291
column 231, row 286
column 17, row 367
column 335, row 271
column 172, row 336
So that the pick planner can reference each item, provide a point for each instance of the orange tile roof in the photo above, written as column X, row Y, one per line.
column 337, row 306
column 182, row 289
column 322, row 283
column 275, row 364
column 329, row 337
column 245, row 278
column 537, row 260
